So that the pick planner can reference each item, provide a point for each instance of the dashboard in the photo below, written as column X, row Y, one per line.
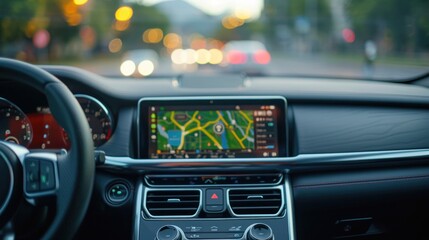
column 36, row 128
column 252, row 158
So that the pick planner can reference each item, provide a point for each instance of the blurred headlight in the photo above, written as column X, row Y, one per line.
column 146, row 67
column 128, row 67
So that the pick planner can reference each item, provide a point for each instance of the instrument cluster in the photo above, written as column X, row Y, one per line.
column 38, row 129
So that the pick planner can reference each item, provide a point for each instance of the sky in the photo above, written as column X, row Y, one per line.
column 217, row 7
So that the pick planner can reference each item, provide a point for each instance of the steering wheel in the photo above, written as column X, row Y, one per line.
column 66, row 177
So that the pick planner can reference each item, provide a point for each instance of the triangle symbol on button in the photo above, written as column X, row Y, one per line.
column 214, row 196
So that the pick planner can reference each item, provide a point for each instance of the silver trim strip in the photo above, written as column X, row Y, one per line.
column 285, row 163
column 197, row 98
column 290, row 208
column 146, row 190
column 138, row 210
column 282, row 193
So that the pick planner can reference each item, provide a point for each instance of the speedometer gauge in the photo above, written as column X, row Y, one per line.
column 14, row 124
column 99, row 119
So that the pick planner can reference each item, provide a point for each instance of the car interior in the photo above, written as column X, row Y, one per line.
column 211, row 155
column 336, row 159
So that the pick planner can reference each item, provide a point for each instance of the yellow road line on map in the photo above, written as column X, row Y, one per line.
column 212, row 138
column 199, row 128
column 192, row 120
column 247, row 131
column 205, row 132
column 211, row 122
column 233, row 133
column 174, row 121
column 245, row 116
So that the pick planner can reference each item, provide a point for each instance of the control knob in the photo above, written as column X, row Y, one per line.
column 260, row 231
column 169, row 232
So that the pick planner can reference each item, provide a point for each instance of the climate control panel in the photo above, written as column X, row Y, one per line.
column 221, row 229
column 259, row 231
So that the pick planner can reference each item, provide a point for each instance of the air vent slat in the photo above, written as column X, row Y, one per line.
column 172, row 209
column 246, row 195
column 175, row 203
column 259, row 207
column 255, row 201
column 181, row 201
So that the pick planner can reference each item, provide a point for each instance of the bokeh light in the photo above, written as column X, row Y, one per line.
column 41, row 38
column 121, row 25
column 71, row 14
column 124, row 13
column 153, row 35
column 80, row 2
column 184, row 56
column 200, row 56
column 127, row 68
column 115, row 45
column 203, row 56
column 348, row 35
column 232, row 22
column 172, row 41
column 190, row 56
column 216, row 56
column 177, row 56
column 146, row 67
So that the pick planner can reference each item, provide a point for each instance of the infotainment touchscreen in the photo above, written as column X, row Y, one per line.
column 212, row 128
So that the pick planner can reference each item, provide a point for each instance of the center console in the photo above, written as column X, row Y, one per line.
column 221, row 203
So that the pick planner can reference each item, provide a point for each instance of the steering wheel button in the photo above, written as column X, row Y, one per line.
column 32, row 175
column 47, row 177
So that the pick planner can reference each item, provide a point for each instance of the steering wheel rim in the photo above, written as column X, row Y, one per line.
column 76, row 170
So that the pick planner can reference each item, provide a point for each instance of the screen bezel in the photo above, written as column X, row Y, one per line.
column 145, row 103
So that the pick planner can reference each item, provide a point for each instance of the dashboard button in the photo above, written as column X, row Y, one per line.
column 260, row 231
column 118, row 193
column 214, row 200
column 214, row 197
column 168, row 233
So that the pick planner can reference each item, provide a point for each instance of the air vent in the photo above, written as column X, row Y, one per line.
column 178, row 203
column 245, row 202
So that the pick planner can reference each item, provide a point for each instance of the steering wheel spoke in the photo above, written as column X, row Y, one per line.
column 41, row 178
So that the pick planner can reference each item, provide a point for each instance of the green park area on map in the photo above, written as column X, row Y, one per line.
column 205, row 130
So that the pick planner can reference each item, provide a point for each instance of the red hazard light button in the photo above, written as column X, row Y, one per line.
column 214, row 197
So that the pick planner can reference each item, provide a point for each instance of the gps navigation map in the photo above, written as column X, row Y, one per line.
column 227, row 132
column 204, row 130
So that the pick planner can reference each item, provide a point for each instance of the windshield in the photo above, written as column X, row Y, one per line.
column 383, row 39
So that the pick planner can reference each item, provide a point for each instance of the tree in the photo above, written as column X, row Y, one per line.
column 144, row 17
column 14, row 17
